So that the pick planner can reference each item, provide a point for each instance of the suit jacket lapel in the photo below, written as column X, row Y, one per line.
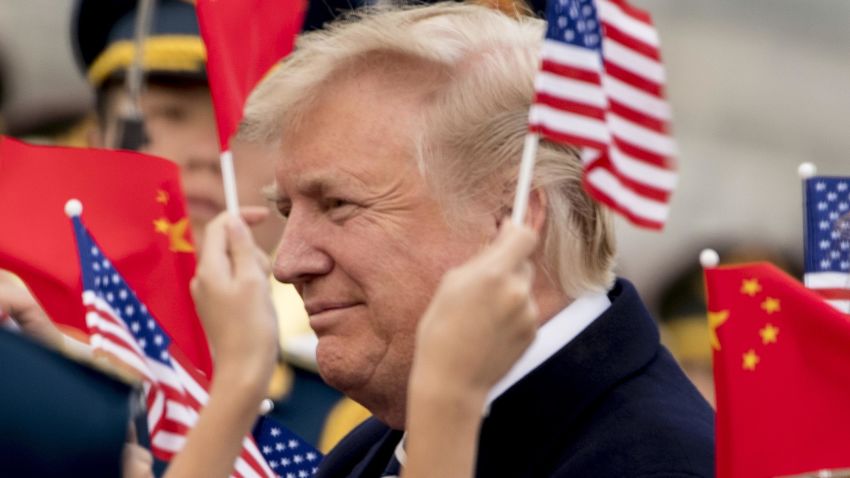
column 364, row 453
column 534, row 415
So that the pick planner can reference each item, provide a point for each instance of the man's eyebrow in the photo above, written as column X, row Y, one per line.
column 311, row 185
column 321, row 182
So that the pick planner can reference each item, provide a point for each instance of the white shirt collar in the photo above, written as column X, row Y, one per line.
column 551, row 337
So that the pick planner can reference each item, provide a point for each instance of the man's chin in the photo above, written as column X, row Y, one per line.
column 342, row 381
column 340, row 373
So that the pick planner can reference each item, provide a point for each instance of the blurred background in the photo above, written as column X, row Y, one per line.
column 757, row 87
column 44, row 90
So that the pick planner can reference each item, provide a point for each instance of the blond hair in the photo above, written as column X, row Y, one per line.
column 476, row 67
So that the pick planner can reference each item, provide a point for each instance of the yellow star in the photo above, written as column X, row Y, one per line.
column 770, row 305
column 176, row 233
column 177, row 237
column 750, row 360
column 769, row 334
column 715, row 320
column 751, row 287
column 162, row 196
column 161, row 225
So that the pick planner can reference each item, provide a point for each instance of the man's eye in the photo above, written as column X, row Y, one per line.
column 339, row 209
column 335, row 203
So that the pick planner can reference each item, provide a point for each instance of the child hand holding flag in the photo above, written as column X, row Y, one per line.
column 231, row 292
column 479, row 322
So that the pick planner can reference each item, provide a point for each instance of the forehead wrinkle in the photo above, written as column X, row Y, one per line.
column 319, row 182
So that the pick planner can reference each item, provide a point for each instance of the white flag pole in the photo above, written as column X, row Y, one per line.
column 806, row 171
column 228, row 177
column 526, row 165
column 526, row 172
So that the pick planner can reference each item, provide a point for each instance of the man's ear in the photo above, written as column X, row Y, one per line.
column 535, row 215
column 538, row 204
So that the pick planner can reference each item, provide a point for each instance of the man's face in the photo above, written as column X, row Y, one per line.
column 180, row 124
column 365, row 242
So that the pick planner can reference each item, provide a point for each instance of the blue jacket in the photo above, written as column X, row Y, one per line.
column 611, row 403
column 58, row 417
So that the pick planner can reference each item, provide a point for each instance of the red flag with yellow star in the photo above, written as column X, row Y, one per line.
column 136, row 205
column 782, row 374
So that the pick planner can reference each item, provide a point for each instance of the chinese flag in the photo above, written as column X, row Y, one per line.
column 244, row 39
column 782, row 374
column 135, row 205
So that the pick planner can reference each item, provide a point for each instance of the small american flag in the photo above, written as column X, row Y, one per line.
column 600, row 88
column 827, row 245
column 286, row 453
column 175, row 391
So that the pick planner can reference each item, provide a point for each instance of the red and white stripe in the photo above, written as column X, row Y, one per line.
column 174, row 394
column 834, row 287
column 614, row 109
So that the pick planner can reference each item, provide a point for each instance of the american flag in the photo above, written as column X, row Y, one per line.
column 175, row 391
column 827, row 239
column 600, row 88
column 285, row 452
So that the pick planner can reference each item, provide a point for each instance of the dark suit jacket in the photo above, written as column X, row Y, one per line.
column 611, row 403
column 58, row 417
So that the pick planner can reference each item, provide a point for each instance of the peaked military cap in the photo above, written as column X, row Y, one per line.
column 103, row 32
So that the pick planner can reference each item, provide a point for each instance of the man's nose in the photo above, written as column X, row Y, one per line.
column 299, row 258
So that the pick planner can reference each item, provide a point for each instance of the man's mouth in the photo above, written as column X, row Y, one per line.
column 323, row 314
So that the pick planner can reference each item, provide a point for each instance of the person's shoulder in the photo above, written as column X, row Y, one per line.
column 653, row 424
column 652, row 445
column 369, row 431
column 369, row 441
column 362, row 437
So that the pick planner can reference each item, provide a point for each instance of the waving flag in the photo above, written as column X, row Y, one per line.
column 600, row 88
column 781, row 372
column 122, row 327
column 136, row 203
column 827, row 239
column 244, row 39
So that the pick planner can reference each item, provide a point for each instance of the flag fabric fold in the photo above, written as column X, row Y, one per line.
column 123, row 327
column 134, row 200
column 244, row 39
column 782, row 374
column 827, row 239
column 601, row 89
